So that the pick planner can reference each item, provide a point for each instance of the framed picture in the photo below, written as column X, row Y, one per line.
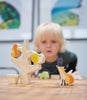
column 16, row 20
column 70, row 14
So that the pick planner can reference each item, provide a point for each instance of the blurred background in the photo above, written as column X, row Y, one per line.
column 20, row 18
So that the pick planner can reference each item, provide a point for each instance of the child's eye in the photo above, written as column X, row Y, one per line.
column 53, row 41
column 43, row 41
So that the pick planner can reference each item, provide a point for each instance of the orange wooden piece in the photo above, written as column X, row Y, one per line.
column 14, row 51
column 71, row 79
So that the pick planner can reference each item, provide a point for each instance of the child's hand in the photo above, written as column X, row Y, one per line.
column 77, row 75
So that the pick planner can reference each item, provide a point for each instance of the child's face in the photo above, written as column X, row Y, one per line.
column 49, row 46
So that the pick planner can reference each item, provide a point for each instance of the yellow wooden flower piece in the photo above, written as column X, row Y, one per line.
column 34, row 58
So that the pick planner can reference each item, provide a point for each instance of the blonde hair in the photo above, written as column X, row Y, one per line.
column 49, row 28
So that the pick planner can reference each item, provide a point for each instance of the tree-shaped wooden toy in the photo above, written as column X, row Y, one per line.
column 24, row 63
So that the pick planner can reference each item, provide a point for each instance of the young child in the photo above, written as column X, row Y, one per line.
column 49, row 40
